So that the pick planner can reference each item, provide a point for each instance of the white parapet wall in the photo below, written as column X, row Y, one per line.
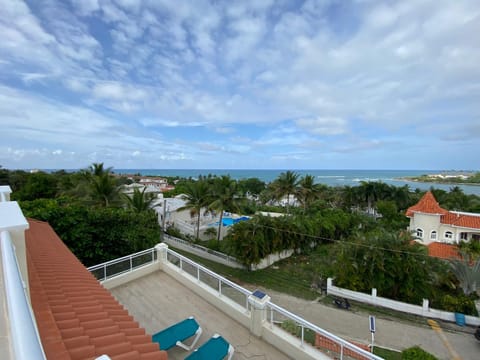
column 373, row 299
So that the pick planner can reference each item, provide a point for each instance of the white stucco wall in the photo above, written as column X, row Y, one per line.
column 426, row 222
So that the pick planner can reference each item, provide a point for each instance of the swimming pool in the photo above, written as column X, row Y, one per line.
column 228, row 221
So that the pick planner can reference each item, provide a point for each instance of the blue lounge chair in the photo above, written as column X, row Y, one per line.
column 177, row 333
column 216, row 348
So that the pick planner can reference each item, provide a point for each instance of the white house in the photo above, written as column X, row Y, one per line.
column 431, row 223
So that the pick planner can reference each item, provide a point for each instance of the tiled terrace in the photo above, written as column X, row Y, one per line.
column 160, row 287
column 157, row 300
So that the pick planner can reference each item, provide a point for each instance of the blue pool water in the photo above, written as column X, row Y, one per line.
column 228, row 221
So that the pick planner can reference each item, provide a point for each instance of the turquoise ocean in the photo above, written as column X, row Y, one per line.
column 327, row 177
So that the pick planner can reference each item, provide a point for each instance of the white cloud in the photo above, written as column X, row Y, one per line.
column 86, row 7
column 148, row 71
column 324, row 125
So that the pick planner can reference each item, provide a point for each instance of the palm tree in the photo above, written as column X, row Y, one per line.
column 197, row 195
column 467, row 275
column 285, row 185
column 102, row 187
column 139, row 201
column 225, row 197
column 248, row 243
column 308, row 191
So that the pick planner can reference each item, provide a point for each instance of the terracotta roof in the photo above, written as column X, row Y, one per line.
column 462, row 220
column 77, row 317
column 443, row 251
column 427, row 204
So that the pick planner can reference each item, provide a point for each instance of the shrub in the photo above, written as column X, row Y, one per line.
column 460, row 303
column 417, row 353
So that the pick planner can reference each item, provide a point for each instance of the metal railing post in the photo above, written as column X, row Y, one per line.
column 303, row 333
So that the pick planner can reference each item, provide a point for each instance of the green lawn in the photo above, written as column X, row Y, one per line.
column 387, row 354
column 279, row 277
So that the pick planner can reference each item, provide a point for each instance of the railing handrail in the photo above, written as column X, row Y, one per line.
column 24, row 334
column 118, row 260
column 304, row 323
column 202, row 248
column 211, row 273
column 321, row 331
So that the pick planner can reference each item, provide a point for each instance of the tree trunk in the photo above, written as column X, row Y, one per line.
column 220, row 223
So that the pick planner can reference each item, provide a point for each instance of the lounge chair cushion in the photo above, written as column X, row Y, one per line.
column 180, row 331
column 214, row 349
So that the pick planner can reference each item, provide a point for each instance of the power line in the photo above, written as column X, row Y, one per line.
column 345, row 242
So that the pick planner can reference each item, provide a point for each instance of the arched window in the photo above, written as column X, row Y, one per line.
column 433, row 235
column 448, row 235
column 420, row 233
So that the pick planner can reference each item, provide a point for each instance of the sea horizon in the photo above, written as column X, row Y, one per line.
column 330, row 177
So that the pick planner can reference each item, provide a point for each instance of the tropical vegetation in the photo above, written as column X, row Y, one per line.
column 355, row 234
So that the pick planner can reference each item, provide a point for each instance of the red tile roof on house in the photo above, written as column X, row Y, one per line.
column 443, row 251
column 461, row 220
column 426, row 205
column 77, row 317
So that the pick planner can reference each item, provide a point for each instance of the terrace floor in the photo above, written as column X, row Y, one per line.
column 157, row 301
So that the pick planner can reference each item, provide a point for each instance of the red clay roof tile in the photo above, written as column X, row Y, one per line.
column 77, row 318
column 443, row 251
column 427, row 204
column 462, row 220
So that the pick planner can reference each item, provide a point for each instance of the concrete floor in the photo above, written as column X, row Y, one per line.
column 157, row 301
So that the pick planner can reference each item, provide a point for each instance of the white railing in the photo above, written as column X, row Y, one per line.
column 25, row 338
column 202, row 250
column 224, row 286
column 123, row 265
column 342, row 345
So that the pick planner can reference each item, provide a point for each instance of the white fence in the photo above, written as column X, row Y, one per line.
column 272, row 258
column 373, row 299
column 222, row 258
column 203, row 252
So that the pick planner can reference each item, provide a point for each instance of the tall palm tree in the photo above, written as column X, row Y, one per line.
column 285, row 185
column 102, row 186
column 307, row 191
column 139, row 201
column 224, row 197
column 197, row 195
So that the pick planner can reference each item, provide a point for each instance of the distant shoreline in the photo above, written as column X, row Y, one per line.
column 438, row 179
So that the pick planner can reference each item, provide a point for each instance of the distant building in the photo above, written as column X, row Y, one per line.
column 155, row 184
column 431, row 223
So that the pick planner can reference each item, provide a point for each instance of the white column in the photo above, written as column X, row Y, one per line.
column 161, row 253
column 258, row 312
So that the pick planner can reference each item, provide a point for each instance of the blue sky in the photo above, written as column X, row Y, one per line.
column 357, row 84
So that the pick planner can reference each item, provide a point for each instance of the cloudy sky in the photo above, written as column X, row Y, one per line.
column 284, row 84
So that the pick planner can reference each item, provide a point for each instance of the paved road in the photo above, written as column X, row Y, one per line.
column 451, row 342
